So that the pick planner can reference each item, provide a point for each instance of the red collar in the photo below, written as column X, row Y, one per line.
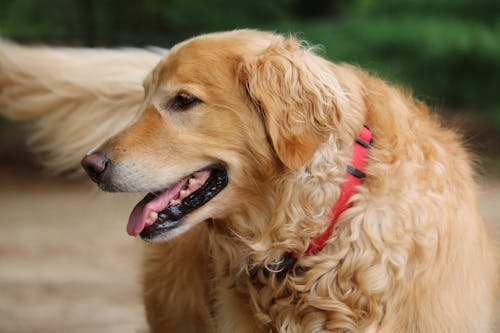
column 354, row 177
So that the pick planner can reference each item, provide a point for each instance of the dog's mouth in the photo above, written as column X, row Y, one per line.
column 162, row 211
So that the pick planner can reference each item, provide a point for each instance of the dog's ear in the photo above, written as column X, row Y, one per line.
column 298, row 95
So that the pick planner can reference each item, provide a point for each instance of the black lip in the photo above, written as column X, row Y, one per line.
column 172, row 216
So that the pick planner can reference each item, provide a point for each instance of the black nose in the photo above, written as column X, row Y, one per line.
column 95, row 165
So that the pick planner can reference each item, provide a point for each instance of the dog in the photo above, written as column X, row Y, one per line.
column 244, row 142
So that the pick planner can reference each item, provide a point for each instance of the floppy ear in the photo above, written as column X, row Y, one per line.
column 298, row 94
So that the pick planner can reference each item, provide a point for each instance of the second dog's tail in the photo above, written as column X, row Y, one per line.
column 77, row 97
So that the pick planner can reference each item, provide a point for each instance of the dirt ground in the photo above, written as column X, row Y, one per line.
column 66, row 263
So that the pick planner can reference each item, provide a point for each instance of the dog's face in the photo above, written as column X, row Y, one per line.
column 223, row 114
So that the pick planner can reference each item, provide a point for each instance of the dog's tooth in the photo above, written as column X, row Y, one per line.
column 193, row 186
column 153, row 215
column 183, row 194
column 202, row 176
column 174, row 202
column 192, row 181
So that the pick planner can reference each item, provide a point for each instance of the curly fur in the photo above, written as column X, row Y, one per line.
column 411, row 254
column 399, row 256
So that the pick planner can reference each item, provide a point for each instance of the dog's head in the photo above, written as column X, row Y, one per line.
column 224, row 114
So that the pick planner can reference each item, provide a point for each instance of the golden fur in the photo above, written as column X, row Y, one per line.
column 79, row 96
column 411, row 255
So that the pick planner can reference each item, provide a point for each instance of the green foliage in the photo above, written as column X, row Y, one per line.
column 485, row 11
column 444, row 60
column 195, row 15
column 28, row 19
column 448, row 51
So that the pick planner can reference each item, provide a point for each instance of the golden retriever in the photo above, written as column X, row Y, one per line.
column 242, row 143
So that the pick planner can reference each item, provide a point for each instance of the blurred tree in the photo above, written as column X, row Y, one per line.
column 447, row 50
column 194, row 15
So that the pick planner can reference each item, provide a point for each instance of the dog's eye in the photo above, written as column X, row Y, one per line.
column 184, row 101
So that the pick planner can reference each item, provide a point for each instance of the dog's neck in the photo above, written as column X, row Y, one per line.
column 259, row 237
column 292, row 207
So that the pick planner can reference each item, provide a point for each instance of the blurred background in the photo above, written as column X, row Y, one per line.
column 65, row 267
column 446, row 51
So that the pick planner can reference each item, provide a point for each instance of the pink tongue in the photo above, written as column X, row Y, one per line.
column 137, row 219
